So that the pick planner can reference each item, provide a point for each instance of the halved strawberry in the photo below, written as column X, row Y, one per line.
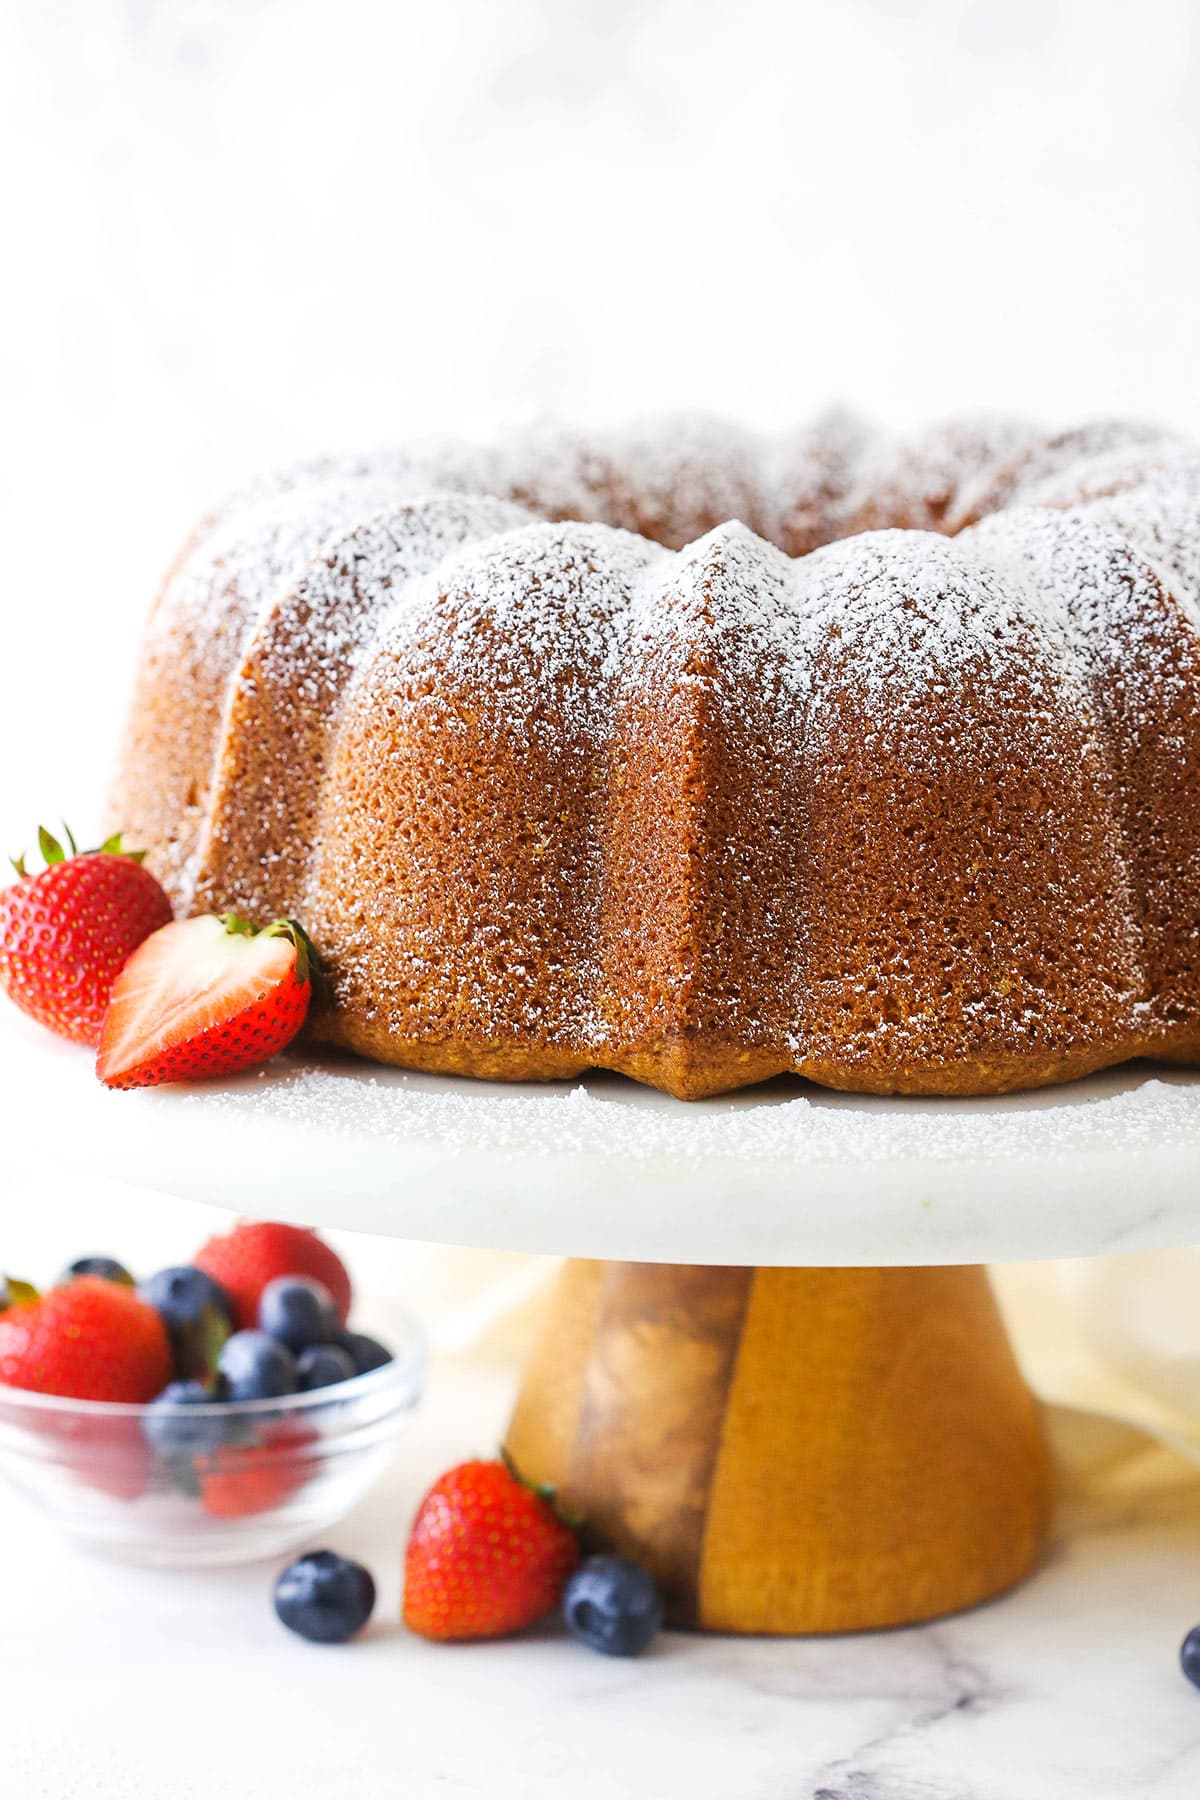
column 66, row 932
column 208, row 996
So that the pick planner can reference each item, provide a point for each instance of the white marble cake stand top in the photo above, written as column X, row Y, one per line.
column 785, row 1174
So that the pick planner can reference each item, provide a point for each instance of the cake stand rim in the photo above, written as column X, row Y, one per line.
column 1014, row 1178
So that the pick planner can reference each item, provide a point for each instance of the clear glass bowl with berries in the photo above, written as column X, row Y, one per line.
column 218, row 1412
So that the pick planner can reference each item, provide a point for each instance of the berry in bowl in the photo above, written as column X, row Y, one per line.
column 168, row 1424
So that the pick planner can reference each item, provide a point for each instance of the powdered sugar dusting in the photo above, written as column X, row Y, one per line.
column 788, row 1121
column 298, row 659
column 1119, row 627
column 677, row 479
column 538, row 614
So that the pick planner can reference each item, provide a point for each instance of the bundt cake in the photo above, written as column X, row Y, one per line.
column 704, row 757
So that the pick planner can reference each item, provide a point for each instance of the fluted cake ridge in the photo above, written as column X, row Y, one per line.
column 704, row 755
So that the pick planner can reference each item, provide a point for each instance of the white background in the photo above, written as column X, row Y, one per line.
column 237, row 230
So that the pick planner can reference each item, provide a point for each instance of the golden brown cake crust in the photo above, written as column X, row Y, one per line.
column 703, row 757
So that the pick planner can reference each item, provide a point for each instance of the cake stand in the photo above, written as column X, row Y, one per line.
column 774, row 1370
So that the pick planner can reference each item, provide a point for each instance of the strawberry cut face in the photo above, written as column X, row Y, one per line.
column 204, row 997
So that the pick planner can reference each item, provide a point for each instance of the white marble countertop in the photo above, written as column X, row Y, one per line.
column 125, row 1684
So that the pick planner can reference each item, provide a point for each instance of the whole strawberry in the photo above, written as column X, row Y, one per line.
column 235, row 1480
column 487, row 1555
column 90, row 1340
column 205, row 997
column 67, row 932
column 245, row 1260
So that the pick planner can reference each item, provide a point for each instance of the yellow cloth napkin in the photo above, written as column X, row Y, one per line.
column 1110, row 1344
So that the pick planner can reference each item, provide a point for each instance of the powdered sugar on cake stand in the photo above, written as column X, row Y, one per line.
column 785, row 1174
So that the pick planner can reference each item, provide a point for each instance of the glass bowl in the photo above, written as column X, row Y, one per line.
column 239, row 1481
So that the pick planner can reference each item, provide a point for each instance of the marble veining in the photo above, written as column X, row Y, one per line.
column 875, row 1770
column 1067, row 1689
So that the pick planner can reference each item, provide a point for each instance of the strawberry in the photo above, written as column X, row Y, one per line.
column 238, row 1479
column 66, row 932
column 107, row 1451
column 245, row 1259
column 91, row 1340
column 207, row 996
column 487, row 1555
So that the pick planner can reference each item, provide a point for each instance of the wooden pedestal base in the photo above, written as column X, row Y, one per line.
column 790, row 1450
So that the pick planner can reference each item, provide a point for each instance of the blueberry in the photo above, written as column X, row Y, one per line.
column 176, row 1433
column 613, row 1605
column 255, row 1367
column 107, row 1267
column 366, row 1353
column 297, row 1311
column 1189, row 1655
column 323, row 1365
column 324, row 1597
column 197, row 1313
